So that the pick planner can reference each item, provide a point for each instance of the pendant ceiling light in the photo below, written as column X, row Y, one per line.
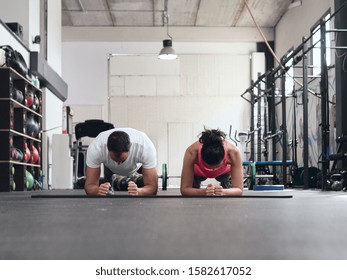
column 167, row 52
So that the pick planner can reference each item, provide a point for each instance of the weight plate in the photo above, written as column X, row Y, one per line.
column 164, row 176
column 253, row 176
column 297, row 179
column 312, row 177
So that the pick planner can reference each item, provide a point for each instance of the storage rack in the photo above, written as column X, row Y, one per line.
column 20, row 132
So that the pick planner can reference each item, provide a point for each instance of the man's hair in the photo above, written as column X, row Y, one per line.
column 212, row 151
column 118, row 142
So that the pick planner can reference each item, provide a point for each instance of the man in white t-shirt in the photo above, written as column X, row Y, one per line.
column 122, row 151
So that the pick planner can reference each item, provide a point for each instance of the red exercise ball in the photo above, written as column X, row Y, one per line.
column 27, row 154
column 30, row 98
column 35, row 157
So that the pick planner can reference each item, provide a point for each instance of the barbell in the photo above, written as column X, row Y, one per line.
column 165, row 177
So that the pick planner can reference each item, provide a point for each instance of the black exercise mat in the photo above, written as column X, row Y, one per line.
column 154, row 196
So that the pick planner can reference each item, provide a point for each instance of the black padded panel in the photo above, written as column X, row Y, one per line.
column 91, row 128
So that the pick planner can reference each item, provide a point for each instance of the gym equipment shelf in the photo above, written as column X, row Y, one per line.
column 20, row 132
column 252, row 177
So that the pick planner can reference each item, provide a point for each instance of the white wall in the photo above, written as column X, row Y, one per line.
column 16, row 11
column 196, row 90
column 85, row 63
column 7, row 38
column 202, row 87
column 85, row 52
column 54, row 33
column 296, row 24
column 26, row 13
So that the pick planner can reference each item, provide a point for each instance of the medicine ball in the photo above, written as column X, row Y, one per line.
column 32, row 126
column 35, row 157
column 16, row 154
column 29, row 180
column 30, row 97
column 17, row 95
column 27, row 154
column 36, row 103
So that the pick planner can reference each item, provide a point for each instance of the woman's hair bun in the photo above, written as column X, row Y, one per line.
column 212, row 137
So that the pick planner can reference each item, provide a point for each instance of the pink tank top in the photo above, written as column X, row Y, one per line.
column 201, row 169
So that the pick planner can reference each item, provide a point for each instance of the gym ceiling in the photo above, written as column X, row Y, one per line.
column 190, row 13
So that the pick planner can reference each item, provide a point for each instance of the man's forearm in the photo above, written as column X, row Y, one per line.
column 148, row 190
column 91, row 189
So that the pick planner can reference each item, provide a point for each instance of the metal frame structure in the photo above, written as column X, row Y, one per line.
column 299, row 59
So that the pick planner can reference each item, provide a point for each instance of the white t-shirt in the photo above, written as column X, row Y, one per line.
column 142, row 152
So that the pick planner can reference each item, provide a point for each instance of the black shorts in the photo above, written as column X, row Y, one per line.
column 224, row 180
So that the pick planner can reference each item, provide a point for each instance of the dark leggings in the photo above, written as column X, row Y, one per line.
column 224, row 180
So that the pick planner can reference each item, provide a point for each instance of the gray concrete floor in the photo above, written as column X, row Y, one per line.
column 311, row 225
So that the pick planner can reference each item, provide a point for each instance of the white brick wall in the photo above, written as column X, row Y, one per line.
column 198, row 90
column 198, row 75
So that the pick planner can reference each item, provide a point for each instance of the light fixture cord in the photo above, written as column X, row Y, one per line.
column 271, row 50
column 263, row 36
column 166, row 19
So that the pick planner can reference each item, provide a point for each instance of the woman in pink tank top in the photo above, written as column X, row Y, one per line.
column 212, row 156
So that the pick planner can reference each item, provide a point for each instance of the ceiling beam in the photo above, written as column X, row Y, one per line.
column 151, row 34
